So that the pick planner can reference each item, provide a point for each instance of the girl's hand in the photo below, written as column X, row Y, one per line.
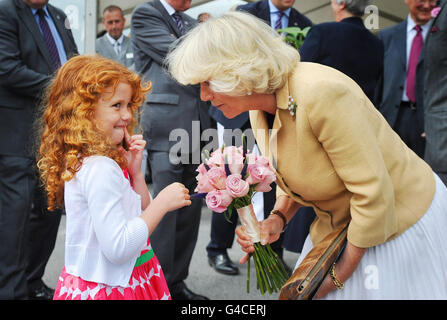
column 173, row 197
column 134, row 154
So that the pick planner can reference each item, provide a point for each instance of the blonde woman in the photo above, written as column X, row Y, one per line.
column 332, row 150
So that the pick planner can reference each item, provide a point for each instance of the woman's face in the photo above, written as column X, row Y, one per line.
column 113, row 112
column 231, row 106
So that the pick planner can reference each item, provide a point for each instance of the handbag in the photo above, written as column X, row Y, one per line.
column 308, row 277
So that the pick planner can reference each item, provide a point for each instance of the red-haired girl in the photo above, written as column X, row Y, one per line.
column 90, row 163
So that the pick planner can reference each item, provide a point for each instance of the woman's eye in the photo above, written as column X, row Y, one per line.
column 117, row 105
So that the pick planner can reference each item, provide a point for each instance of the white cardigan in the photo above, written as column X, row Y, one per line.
column 104, row 233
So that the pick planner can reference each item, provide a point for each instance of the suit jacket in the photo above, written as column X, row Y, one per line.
column 391, row 84
column 261, row 10
column 105, row 49
column 169, row 106
column 435, row 97
column 348, row 47
column 25, row 69
column 359, row 168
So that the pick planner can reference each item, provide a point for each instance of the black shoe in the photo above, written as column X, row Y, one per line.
column 183, row 293
column 222, row 264
column 41, row 293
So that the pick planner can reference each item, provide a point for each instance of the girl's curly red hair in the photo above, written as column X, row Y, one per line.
column 68, row 129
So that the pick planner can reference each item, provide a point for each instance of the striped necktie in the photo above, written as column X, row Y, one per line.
column 278, row 24
column 178, row 21
column 49, row 40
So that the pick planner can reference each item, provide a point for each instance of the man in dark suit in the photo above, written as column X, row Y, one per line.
column 400, row 91
column 346, row 45
column 435, row 94
column 34, row 42
column 273, row 10
column 171, row 111
column 278, row 14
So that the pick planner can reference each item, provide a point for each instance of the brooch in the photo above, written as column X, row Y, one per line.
column 292, row 106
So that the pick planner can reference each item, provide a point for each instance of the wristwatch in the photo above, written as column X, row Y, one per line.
column 282, row 216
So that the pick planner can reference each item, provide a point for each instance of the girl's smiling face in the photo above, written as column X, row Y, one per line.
column 113, row 113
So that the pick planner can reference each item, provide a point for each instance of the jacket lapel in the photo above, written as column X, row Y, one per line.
column 157, row 5
column 266, row 139
column 264, row 12
column 26, row 15
column 187, row 23
column 443, row 6
column 61, row 29
column 124, row 46
column 401, row 42
column 261, row 133
column 293, row 19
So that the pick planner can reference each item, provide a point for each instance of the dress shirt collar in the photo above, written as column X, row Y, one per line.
column 274, row 10
column 425, row 27
column 168, row 7
column 45, row 9
column 112, row 41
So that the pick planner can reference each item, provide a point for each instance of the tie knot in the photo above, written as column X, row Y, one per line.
column 41, row 13
column 418, row 28
column 280, row 14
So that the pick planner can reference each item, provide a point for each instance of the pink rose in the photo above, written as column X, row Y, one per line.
column 236, row 186
column 216, row 159
column 262, row 161
column 435, row 12
column 264, row 185
column 203, row 184
column 255, row 173
column 261, row 175
column 258, row 173
column 218, row 200
column 234, row 159
column 217, row 177
column 201, row 169
column 251, row 158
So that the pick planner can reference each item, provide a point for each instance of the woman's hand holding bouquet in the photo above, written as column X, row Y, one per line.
column 227, row 179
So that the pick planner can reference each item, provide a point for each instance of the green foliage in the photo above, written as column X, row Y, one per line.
column 294, row 35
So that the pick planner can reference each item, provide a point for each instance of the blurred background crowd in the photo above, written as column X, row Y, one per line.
column 395, row 51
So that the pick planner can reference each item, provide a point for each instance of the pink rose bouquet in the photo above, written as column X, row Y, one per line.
column 227, row 179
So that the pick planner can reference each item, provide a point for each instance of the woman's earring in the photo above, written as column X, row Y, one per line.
column 249, row 93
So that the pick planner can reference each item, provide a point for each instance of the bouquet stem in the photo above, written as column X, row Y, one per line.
column 270, row 272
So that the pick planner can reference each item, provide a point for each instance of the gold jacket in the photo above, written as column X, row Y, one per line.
column 340, row 156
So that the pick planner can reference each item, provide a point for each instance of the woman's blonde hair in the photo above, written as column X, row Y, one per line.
column 68, row 130
column 237, row 53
